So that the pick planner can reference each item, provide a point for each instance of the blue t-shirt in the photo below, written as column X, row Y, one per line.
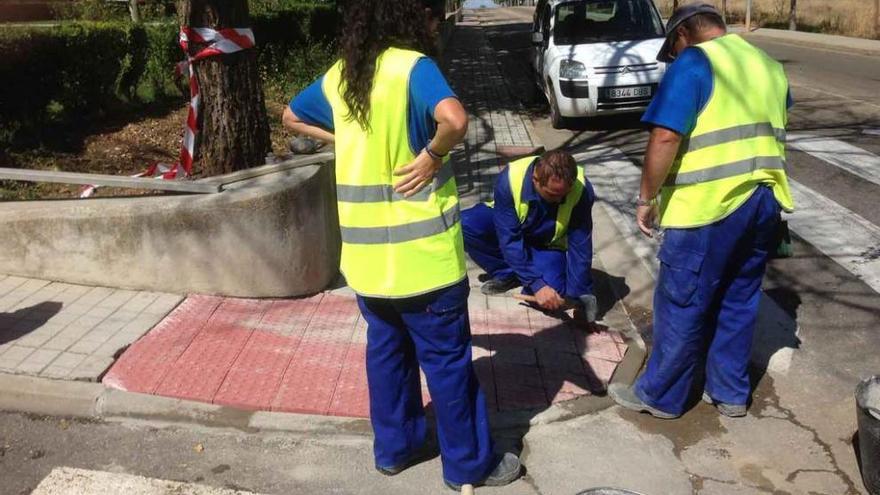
column 427, row 88
column 684, row 93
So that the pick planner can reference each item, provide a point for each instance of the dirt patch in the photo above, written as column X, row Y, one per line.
column 125, row 146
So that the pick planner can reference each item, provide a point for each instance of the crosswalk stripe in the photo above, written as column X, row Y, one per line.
column 73, row 481
column 838, row 233
column 615, row 179
column 843, row 155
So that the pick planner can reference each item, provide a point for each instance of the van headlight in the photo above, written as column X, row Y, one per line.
column 572, row 69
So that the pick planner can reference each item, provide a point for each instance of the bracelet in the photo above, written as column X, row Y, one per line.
column 648, row 202
column 432, row 153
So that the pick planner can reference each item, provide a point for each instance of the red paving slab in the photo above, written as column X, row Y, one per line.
column 307, row 355
column 142, row 367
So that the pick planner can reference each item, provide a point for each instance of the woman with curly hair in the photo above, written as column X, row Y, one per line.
column 394, row 119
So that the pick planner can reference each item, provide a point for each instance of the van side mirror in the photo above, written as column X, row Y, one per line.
column 537, row 38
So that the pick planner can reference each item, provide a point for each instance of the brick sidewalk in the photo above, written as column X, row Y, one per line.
column 307, row 355
column 495, row 119
column 71, row 332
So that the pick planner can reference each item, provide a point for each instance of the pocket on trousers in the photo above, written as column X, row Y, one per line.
column 679, row 273
column 449, row 311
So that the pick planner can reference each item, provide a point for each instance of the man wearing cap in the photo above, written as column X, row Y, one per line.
column 537, row 233
column 714, row 175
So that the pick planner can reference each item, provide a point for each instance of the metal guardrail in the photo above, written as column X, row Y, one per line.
column 108, row 181
column 207, row 185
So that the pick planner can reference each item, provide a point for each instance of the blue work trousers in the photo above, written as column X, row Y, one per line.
column 482, row 245
column 706, row 305
column 432, row 331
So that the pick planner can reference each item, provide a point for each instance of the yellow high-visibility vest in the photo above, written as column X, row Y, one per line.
column 516, row 173
column 738, row 141
column 392, row 247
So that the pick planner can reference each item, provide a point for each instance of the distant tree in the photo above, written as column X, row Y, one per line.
column 234, row 128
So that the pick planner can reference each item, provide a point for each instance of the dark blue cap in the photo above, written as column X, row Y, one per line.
column 680, row 15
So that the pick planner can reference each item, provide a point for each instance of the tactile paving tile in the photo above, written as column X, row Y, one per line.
column 199, row 371
column 308, row 355
column 560, row 360
column 254, row 378
column 561, row 337
column 290, row 316
column 310, row 379
column 515, row 375
column 333, row 311
column 600, row 345
column 352, row 397
column 510, row 399
column 142, row 367
column 506, row 316
column 601, row 369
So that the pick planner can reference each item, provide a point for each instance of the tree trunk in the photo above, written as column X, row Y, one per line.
column 724, row 10
column 748, row 16
column 792, row 16
column 233, row 126
column 674, row 4
column 135, row 13
column 877, row 19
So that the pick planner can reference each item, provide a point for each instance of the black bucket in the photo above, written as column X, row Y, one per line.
column 868, row 411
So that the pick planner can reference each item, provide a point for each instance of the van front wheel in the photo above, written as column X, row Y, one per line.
column 556, row 118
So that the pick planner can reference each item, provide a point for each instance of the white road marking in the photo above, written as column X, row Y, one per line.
column 616, row 181
column 839, row 233
column 72, row 481
column 843, row 155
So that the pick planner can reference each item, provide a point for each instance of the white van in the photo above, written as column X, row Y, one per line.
column 595, row 57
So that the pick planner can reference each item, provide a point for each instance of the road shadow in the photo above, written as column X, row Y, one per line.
column 24, row 321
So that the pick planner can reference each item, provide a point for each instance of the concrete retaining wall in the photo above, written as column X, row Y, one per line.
column 276, row 235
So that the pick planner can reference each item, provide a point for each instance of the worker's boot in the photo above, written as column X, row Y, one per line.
column 423, row 454
column 729, row 410
column 507, row 471
column 625, row 396
column 499, row 286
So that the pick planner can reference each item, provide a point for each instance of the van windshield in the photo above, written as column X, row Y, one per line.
column 590, row 21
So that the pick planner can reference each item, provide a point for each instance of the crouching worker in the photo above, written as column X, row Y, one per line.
column 393, row 119
column 537, row 233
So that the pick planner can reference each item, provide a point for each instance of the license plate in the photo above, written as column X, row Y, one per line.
column 631, row 92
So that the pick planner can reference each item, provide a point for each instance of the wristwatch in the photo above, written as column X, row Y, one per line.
column 646, row 202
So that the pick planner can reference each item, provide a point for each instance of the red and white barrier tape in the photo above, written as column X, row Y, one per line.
column 218, row 42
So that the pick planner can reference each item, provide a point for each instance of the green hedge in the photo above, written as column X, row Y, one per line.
column 77, row 71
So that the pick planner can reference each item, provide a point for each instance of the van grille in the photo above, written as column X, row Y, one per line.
column 627, row 69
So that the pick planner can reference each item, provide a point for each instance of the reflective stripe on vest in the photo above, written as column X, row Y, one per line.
column 517, row 175
column 392, row 247
column 738, row 141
